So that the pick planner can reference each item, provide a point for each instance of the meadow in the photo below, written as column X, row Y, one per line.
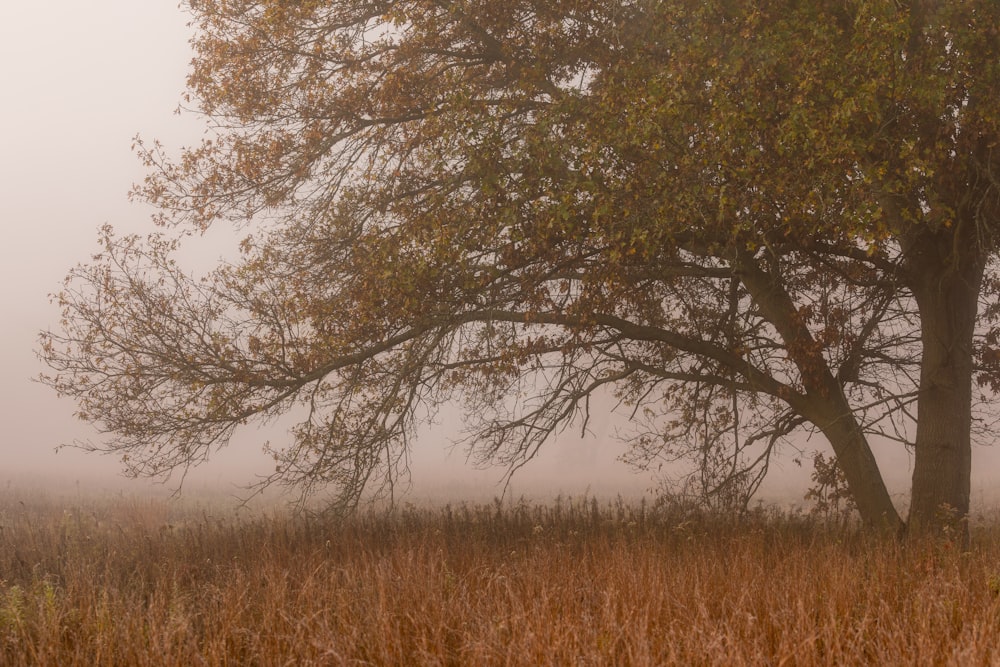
column 134, row 581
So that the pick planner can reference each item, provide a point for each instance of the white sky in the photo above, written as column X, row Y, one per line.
column 78, row 80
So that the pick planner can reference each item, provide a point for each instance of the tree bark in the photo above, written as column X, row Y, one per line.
column 946, row 274
column 833, row 416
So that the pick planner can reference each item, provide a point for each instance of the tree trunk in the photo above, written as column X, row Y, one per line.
column 854, row 456
column 825, row 404
column 946, row 275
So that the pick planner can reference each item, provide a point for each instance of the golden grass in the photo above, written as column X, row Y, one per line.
column 143, row 582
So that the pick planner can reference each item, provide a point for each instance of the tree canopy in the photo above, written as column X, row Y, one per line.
column 745, row 220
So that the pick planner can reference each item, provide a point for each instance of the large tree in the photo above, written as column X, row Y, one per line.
column 744, row 220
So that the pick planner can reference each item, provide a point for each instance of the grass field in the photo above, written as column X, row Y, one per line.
column 122, row 581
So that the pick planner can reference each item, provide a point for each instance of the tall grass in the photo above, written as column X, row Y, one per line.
column 143, row 582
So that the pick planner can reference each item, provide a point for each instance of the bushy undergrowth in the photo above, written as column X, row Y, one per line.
column 143, row 582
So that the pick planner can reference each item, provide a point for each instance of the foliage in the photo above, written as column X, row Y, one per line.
column 830, row 494
column 741, row 219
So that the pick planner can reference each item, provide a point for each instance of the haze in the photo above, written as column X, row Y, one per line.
column 79, row 80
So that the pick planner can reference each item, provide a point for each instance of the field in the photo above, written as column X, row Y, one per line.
column 131, row 581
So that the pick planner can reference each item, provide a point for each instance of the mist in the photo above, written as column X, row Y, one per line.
column 80, row 81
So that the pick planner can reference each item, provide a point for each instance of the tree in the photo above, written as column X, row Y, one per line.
column 742, row 219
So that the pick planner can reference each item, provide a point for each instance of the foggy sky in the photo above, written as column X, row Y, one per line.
column 78, row 81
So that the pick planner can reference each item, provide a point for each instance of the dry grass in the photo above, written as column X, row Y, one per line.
column 142, row 582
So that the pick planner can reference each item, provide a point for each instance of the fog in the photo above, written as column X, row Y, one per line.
column 79, row 80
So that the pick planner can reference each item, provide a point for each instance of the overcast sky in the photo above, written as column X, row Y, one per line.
column 79, row 80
